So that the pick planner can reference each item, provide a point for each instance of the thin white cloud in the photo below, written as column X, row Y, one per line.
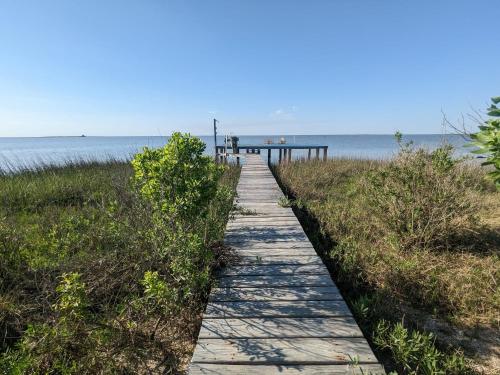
column 287, row 113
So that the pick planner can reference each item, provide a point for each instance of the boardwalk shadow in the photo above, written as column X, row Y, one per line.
column 275, row 328
column 248, row 235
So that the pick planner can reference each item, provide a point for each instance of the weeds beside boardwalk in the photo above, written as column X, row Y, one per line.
column 413, row 239
column 90, row 283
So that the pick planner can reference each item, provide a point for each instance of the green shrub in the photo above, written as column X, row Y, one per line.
column 422, row 199
column 415, row 352
column 487, row 139
column 285, row 202
column 72, row 302
column 180, row 183
column 157, row 290
column 62, row 345
column 178, row 179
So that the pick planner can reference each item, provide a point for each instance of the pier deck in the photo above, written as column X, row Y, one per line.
column 276, row 310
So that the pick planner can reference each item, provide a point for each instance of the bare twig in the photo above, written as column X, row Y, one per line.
column 459, row 129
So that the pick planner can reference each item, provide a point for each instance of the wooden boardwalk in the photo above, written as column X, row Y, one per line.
column 276, row 310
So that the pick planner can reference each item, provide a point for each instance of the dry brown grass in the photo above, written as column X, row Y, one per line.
column 449, row 273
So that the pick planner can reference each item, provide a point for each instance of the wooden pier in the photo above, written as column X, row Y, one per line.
column 276, row 309
column 284, row 151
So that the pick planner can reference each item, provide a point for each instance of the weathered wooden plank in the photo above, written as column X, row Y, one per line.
column 269, row 230
column 262, row 228
column 263, row 206
column 258, row 190
column 256, row 176
column 250, row 219
column 270, row 207
column 276, row 294
column 246, row 203
column 284, row 351
column 274, row 281
column 228, row 369
column 235, row 226
column 263, row 201
column 276, row 309
column 260, row 211
column 256, row 193
column 255, row 203
column 258, row 197
column 279, row 327
column 264, row 239
column 244, row 225
column 263, row 252
column 273, row 245
column 249, row 182
column 277, row 259
column 247, row 188
column 249, row 213
column 275, row 270
column 246, row 230
column 253, row 215
column 251, row 210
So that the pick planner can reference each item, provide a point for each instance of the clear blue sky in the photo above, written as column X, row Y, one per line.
column 148, row 67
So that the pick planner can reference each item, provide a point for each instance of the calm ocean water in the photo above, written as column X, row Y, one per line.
column 25, row 152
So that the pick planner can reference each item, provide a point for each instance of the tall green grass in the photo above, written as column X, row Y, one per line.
column 76, row 244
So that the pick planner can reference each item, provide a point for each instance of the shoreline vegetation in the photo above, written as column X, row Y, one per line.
column 106, row 266
column 413, row 244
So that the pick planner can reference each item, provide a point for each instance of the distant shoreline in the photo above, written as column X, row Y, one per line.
column 239, row 135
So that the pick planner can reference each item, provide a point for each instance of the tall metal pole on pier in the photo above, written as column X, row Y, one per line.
column 215, row 138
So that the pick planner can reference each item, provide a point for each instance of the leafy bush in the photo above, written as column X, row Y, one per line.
column 180, row 182
column 415, row 353
column 72, row 302
column 423, row 199
column 488, row 141
column 62, row 345
column 157, row 290
column 178, row 179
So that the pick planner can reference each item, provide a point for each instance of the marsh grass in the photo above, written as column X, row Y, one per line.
column 76, row 243
column 415, row 232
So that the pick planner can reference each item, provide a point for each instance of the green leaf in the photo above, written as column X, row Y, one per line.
column 480, row 151
column 495, row 99
column 494, row 112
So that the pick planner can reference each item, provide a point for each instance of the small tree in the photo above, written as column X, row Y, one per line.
column 487, row 139
column 177, row 179
column 179, row 182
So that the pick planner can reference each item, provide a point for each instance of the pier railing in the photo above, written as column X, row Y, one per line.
column 284, row 151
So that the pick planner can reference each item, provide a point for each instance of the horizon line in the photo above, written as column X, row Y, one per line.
column 219, row 135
